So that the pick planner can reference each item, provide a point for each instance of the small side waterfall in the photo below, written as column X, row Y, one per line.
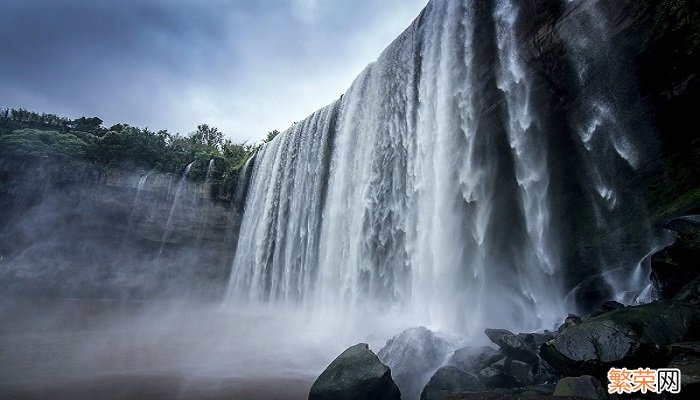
column 203, row 218
column 431, row 189
column 176, row 201
column 609, row 143
column 139, row 189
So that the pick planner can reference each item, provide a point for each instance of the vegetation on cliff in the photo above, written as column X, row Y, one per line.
column 67, row 148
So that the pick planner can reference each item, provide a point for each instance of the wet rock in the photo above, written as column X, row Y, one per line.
column 413, row 356
column 689, row 364
column 676, row 265
column 622, row 337
column 607, row 306
column 493, row 376
column 512, row 345
column 684, row 348
column 356, row 374
column 690, row 293
column 570, row 320
column 474, row 359
column 584, row 386
column 536, row 339
column 545, row 374
column 519, row 374
column 450, row 379
column 686, row 357
column 507, row 373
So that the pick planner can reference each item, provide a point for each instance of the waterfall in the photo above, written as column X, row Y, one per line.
column 609, row 143
column 426, row 191
column 176, row 201
column 529, row 145
column 203, row 220
column 139, row 189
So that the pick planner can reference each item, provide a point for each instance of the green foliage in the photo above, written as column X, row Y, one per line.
column 271, row 135
column 28, row 138
column 33, row 145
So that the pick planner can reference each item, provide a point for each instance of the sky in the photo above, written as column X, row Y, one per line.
column 244, row 66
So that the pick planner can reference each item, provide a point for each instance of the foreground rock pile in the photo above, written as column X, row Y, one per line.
column 571, row 362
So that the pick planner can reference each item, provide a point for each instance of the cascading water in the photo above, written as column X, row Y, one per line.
column 203, row 219
column 139, row 189
column 425, row 191
column 606, row 140
column 176, row 201
column 530, row 158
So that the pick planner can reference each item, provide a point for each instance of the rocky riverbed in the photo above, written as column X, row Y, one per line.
column 572, row 361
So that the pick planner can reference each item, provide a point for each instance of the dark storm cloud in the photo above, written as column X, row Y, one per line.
column 245, row 66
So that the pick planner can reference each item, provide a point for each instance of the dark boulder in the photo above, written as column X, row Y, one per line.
column 689, row 365
column 684, row 348
column 450, row 379
column 357, row 374
column 545, row 374
column 536, row 339
column 519, row 374
column 585, row 386
column 569, row 321
column 474, row 359
column 507, row 373
column 607, row 306
column 413, row 356
column 686, row 357
column 494, row 375
column 628, row 336
column 690, row 293
column 513, row 346
column 673, row 267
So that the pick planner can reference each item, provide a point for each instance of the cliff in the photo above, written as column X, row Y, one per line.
column 115, row 234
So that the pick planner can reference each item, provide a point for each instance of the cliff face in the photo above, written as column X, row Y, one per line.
column 112, row 235
column 507, row 156
column 615, row 153
column 650, row 69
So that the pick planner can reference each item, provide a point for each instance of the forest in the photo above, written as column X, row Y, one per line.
column 65, row 148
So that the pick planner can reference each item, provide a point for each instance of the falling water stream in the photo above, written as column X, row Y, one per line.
column 446, row 188
column 425, row 190
column 176, row 201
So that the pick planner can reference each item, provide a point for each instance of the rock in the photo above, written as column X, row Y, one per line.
column 507, row 373
column 584, row 386
column 690, row 293
column 607, row 306
column 632, row 335
column 536, row 339
column 545, row 374
column 356, row 374
column 689, row 364
column 474, row 359
column 493, row 375
column 413, row 356
column 686, row 357
column 687, row 227
column 519, row 374
column 512, row 346
column 676, row 265
column 450, row 379
column 571, row 320
column 684, row 348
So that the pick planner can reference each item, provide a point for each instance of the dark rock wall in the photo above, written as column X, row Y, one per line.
column 98, row 235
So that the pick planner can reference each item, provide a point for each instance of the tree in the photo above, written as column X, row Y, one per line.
column 93, row 124
column 271, row 135
column 207, row 136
